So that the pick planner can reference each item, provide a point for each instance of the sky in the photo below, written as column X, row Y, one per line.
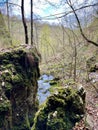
column 42, row 8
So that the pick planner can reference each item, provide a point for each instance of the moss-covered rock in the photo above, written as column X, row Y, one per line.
column 92, row 63
column 19, row 71
column 61, row 111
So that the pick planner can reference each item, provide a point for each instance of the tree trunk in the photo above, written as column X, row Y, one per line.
column 24, row 22
column 31, row 22
column 7, row 5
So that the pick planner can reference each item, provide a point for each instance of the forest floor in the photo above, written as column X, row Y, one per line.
column 90, row 122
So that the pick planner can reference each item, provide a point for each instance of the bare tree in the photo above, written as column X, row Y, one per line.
column 24, row 22
column 79, row 24
column 31, row 22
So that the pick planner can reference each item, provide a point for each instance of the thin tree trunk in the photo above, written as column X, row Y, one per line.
column 75, row 62
column 7, row 4
column 24, row 22
column 31, row 22
column 37, row 39
column 8, row 16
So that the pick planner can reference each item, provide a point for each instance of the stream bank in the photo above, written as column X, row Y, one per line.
column 19, row 109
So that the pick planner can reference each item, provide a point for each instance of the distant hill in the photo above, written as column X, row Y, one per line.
column 4, row 33
column 53, row 41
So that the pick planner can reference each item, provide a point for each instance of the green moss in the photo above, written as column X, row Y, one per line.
column 18, row 68
column 24, row 127
column 16, row 57
column 18, row 89
column 55, row 101
column 69, row 82
column 60, row 111
column 4, row 105
column 55, row 86
column 6, row 75
column 58, row 120
column 6, row 56
column 8, row 88
column 43, row 119
column 10, row 66
column 52, row 82
column 56, row 124
column 17, row 79
column 91, row 64
column 5, row 62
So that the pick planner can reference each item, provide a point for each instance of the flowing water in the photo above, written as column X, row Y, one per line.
column 43, row 87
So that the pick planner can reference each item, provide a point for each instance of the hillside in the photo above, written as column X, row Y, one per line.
column 56, row 43
column 67, row 57
column 4, row 34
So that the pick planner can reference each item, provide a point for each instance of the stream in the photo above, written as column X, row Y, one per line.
column 43, row 87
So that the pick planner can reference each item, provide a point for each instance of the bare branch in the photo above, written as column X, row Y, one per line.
column 10, row 4
column 63, row 14
column 80, row 28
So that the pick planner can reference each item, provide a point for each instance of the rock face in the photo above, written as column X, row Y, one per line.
column 18, row 88
column 61, row 111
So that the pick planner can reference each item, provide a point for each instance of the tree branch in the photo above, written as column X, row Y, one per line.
column 79, row 24
column 63, row 14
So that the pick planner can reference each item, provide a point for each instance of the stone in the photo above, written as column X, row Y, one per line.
column 61, row 111
column 18, row 88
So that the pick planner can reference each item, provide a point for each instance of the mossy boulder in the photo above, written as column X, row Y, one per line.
column 92, row 63
column 61, row 111
column 19, row 71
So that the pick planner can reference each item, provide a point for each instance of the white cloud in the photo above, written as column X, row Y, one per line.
column 17, row 10
column 27, row 7
column 43, row 8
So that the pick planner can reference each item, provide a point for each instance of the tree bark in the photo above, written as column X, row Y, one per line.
column 31, row 22
column 7, row 5
column 24, row 22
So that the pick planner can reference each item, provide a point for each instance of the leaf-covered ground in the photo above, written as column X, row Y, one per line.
column 90, row 122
